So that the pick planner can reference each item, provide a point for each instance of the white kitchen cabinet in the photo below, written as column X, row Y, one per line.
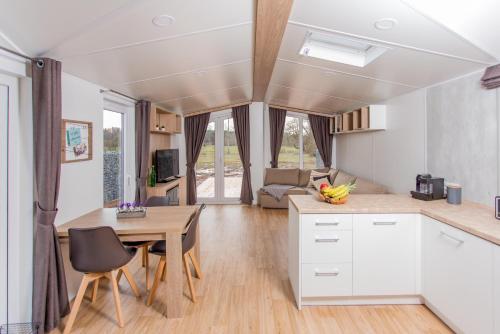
column 326, row 280
column 384, row 254
column 458, row 277
column 496, row 287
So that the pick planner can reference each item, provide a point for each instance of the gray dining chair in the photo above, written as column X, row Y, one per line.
column 188, row 242
column 98, row 253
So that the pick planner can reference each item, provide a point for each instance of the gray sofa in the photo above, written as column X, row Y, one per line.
column 299, row 180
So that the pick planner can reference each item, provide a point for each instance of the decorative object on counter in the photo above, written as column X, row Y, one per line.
column 152, row 177
column 162, row 128
column 130, row 210
column 76, row 139
column 497, row 207
column 338, row 194
column 454, row 193
column 428, row 188
column 157, row 127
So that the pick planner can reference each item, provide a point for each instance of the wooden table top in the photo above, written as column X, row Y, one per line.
column 165, row 219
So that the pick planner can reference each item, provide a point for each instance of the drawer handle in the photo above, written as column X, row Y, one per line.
column 317, row 223
column 319, row 239
column 327, row 273
column 444, row 234
column 384, row 222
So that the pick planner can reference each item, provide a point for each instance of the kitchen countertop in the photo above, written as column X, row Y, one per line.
column 476, row 219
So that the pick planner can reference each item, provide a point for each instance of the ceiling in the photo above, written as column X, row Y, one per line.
column 422, row 52
column 205, row 58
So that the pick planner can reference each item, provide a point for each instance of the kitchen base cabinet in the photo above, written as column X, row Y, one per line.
column 457, row 274
column 496, row 288
column 384, row 255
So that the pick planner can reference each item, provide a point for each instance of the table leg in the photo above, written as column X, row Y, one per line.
column 174, row 276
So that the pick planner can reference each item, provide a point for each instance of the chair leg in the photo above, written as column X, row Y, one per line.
column 188, row 275
column 87, row 278
column 164, row 272
column 94, row 290
column 130, row 280
column 196, row 266
column 119, row 276
column 144, row 254
column 116, row 296
column 158, row 273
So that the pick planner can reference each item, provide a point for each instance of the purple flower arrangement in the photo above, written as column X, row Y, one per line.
column 130, row 210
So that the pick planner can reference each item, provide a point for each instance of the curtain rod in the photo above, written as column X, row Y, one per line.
column 16, row 53
column 118, row 93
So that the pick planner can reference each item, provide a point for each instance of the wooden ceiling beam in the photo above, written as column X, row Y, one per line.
column 271, row 18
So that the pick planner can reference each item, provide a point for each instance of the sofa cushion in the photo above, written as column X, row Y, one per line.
column 343, row 178
column 288, row 176
column 364, row 186
column 317, row 183
column 331, row 174
column 304, row 176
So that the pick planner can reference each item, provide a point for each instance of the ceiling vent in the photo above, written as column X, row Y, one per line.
column 350, row 51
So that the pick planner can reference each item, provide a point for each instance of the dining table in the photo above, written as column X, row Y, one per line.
column 160, row 223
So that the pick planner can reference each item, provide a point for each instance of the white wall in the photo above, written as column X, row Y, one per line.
column 462, row 136
column 81, row 187
column 392, row 157
column 257, row 148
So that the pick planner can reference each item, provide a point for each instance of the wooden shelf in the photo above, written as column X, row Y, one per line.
column 161, row 117
column 159, row 132
column 366, row 119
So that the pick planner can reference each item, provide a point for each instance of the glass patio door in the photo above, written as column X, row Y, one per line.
column 219, row 171
column 4, row 107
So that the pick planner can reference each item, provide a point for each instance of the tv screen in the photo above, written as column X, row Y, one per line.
column 167, row 164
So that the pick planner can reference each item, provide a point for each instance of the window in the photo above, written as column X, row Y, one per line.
column 113, row 177
column 298, row 149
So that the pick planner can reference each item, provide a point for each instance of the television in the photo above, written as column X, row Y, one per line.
column 166, row 164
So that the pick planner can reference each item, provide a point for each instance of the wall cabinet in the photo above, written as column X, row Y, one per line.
column 457, row 275
column 384, row 254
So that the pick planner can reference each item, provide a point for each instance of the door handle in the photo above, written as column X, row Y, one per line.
column 459, row 241
column 320, row 239
column 335, row 272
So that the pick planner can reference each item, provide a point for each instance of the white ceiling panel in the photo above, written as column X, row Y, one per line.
column 147, row 61
column 335, row 83
column 36, row 26
column 357, row 17
column 192, row 83
column 209, row 100
column 309, row 100
column 401, row 65
column 134, row 25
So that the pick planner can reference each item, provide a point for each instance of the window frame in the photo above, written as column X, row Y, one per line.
column 301, row 117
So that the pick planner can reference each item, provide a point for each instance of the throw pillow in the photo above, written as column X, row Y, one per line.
column 343, row 178
column 317, row 175
column 317, row 183
column 304, row 176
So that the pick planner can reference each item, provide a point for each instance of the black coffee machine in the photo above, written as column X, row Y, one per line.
column 428, row 188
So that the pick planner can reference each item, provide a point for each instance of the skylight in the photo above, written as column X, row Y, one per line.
column 350, row 51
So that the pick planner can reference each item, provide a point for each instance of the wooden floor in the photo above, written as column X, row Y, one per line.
column 245, row 289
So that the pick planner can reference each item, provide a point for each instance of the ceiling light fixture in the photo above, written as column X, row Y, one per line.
column 385, row 23
column 163, row 20
column 340, row 49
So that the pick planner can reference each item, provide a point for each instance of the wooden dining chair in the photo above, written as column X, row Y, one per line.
column 98, row 253
column 188, row 243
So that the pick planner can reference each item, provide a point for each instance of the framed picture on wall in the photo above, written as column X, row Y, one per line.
column 76, row 141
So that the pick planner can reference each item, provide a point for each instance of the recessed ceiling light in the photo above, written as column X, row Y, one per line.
column 386, row 23
column 340, row 49
column 163, row 20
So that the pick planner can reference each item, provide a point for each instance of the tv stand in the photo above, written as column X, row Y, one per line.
column 161, row 189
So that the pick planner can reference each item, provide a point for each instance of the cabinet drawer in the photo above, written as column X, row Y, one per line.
column 327, row 221
column 326, row 280
column 326, row 246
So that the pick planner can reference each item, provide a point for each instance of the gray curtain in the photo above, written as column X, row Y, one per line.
column 50, row 294
column 320, row 127
column 491, row 77
column 276, row 127
column 195, row 128
column 142, row 114
column 241, row 117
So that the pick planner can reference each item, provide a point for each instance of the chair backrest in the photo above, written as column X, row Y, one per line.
column 157, row 201
column 96, row 250
column 190, row 239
